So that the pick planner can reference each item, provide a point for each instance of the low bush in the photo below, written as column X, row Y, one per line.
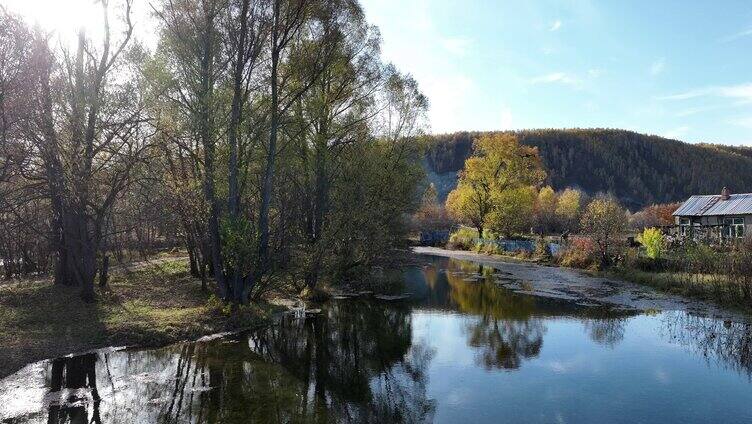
column 653, row 242
column 463, row 239
column 580, row 252
column 542, row 250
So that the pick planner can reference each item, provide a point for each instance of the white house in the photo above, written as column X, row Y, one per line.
column 725, row 214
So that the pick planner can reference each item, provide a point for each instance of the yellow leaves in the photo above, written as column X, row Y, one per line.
column 513, row 210
column 604, row 220
column 463, row 205
column 497, row 186
column 546, row 199
column 652, row 239
column 568, row 204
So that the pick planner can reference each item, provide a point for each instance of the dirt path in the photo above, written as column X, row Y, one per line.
column 582, row 288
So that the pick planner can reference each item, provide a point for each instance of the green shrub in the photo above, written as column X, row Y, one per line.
column 463, row 239
column 489, row 234
column 653, row 241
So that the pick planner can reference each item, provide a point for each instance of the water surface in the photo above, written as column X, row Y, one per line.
column 462, row 349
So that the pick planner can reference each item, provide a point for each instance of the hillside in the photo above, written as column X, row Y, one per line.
column 639, row 169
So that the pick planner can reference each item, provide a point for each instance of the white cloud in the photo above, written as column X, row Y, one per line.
column 594, row 72
column 742, row 92
column 556, row 77
column 456, row 46
column 695, row 110
column 555, row 26
column 738, row 35
column 745, row 122
column 662, row 376
column 657, row 67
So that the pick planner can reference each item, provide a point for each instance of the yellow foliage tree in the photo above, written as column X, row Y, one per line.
column 604, row 220
column 469, row 206
column 489, row 191
column 513, row 210
column 568, row 208
column 545, row 210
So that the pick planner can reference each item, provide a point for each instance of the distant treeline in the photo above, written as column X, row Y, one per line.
column 638, row 169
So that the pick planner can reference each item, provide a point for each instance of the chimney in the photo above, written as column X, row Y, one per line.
column 725, row 193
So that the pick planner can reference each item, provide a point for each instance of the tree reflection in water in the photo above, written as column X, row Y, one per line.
column 73, row 386
column 605, row 331
column 508, row 328
column 356, row 363
column 503, row 329
column 724, row 343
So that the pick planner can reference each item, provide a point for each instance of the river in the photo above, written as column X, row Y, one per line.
column 464, row 348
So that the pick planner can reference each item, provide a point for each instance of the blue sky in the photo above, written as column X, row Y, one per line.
column 680, row 69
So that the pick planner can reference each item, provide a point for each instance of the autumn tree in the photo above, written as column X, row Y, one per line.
column 431, row 214
column 654, row 216
column 545, row 210
column 513, row 210
column 604, row 220
column 492, row 183
column 569, row 209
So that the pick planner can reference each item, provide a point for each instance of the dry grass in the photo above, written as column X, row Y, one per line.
column 714, row 288
column 150, row 305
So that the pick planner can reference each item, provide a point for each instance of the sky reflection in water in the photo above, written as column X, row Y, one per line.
column 463, row 350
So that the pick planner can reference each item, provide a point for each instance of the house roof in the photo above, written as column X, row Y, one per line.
column 712, row 205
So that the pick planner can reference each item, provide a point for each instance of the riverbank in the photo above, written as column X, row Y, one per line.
column 147, row 304
column 586, row 288
column 698, row 286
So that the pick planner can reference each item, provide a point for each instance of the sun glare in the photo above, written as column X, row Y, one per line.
column 66, row 17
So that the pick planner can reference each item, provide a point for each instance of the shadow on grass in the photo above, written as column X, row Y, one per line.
column 150, row 306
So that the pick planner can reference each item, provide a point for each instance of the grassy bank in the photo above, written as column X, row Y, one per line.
column 711, row 288
column 150, row 305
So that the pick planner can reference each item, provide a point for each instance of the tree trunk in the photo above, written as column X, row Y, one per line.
column 266, row 192
column 233, row 201
column 103, row 272
column 204, row 284
column 209, row 152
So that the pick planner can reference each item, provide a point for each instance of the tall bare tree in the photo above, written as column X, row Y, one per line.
column 89, row 132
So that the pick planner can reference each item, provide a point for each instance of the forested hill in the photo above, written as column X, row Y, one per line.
column 639, row 169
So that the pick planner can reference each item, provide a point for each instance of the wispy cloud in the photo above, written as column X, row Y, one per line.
column 555, row 26
column 744, row 121
column 557, row 78
column 742, row 92
column 701, row 109
column 741, row 34
column 689, row 112
column 657, row 67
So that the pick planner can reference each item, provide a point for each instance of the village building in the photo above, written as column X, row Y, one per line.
column 725, row 215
